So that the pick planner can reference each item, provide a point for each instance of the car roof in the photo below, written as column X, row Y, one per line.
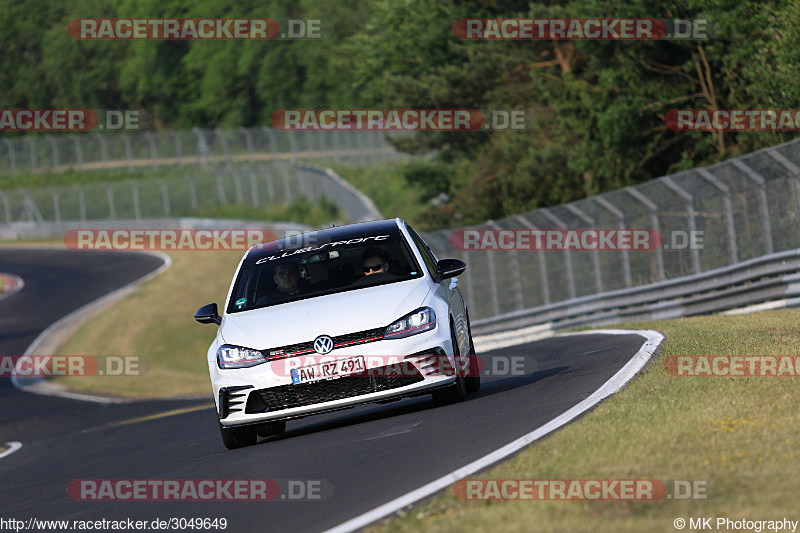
column 337, row 233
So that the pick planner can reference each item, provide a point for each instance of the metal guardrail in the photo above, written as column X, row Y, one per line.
column 767, row 278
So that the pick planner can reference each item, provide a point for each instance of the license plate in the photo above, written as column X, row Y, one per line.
column 329, row 370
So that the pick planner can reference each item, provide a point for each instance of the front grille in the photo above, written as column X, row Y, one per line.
column 290, row 396
column 349, row 339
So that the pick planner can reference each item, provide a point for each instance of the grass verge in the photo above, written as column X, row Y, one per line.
column 156, row 322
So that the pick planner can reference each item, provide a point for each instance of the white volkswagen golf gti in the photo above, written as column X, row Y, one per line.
column 334, row 318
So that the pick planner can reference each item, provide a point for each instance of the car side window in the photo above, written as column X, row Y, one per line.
column 427, row 254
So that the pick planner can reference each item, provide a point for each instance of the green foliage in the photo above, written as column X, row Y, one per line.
column 597, row 106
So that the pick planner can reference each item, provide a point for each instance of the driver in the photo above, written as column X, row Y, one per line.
column 287, row 279
column 375, row 261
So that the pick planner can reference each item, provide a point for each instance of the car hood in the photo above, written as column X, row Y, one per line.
column 332, row 314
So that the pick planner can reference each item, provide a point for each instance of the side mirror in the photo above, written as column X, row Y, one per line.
column 449, row 268
column 208, row 314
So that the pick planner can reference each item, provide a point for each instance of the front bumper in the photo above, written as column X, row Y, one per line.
column 266, row 392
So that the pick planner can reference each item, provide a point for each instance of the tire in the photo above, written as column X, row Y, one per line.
column 269, row 429
column 472, row 381
column 238, row 437
column 456, row 392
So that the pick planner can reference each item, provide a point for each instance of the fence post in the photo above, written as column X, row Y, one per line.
column 6, row 207
column 165, row 197
column 128, row 150
column 653, row 208
column 223, row 200
column 567, row 254
column 224, row 142
column 151, row 139
column 620, row 216
column 273, row 141
column 542, row 260
column 598, row 281
column 192, row 193
column 178, row 147
column 763, row 203
column 56, row 205
column 82, row 203
column 248, row 140
column 690, row 217
column 254, row 188
column 32, row 147
column 513, row 263
column 54, row 148
column 137, row 208
column 78, row 152
column 11, row 157
column 103, row 149
column 728, row 205
column 202, row 146
column 112, row 208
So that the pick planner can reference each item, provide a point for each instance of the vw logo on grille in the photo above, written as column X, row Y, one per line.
column 323, row 344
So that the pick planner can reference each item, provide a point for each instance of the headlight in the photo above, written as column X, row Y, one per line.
column 237, row 357
column 423, row 319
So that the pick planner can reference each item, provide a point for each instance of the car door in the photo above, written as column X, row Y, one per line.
column 449, row 288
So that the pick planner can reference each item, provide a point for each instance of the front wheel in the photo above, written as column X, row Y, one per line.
column 456, row 392
column 238, row 437
column 472, row 378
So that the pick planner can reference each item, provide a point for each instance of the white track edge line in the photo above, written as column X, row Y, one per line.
column 617, row 381
column 13, row 446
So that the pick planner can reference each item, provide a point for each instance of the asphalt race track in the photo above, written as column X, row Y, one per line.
column 364, row 456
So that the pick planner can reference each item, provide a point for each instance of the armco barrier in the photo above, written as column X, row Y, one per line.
column 768, row 278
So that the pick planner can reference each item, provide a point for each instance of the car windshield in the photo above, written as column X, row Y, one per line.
column 272, row 277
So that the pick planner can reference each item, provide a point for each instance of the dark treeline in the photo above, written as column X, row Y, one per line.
column 599, row 105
